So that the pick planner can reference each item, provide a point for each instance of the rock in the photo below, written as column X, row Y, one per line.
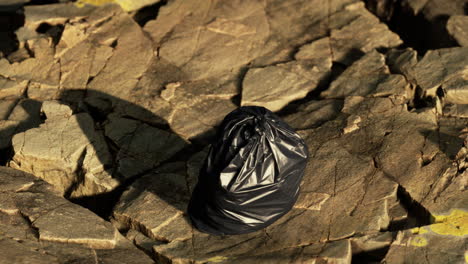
column 433, row 15
column 28, row 113
column 344, row 183
column 76, row 227
column 48, row 216
column 193, row 121
column 126, row 5
column 10, row 88
column 142, row 147
column 107, row 109
column 43, row 227
column 74, row 159
column 333, row 252
column 415, row 5
column 456, row 26
column 122, row 255
column 52, row 14
column 17, row 252
column 6, row 106
column 13, row 3
column 437, row 67
column 319, row 53
column 155, row 204
column 131, row 55
column 403, row 62
column 423, row 243
column 238, row 31
column 369, row 76
column 230, row 40
column 362, row 34
column 254, row 34
column 313, row 113
column 17, row 116
column 446, row 200
column 180, row 251
column 435, row 8
column 370, row 247
column 7, row 130
column 143, row 242
column 274, row 87
column 456, row 110
column 456, row 89
column 42, row 68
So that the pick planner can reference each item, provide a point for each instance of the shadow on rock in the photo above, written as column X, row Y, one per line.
column 24, row 114
column 449, row 142
column 142, row 146
column 125, row 147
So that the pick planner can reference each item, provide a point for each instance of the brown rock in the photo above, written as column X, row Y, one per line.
column 230, row 35
column 274, row 87
column 10, row 88
column 77, row 226
column 155, row 204
column 142, row 147
column 456, row 110
column 403, row 62
column 313, row 113
column 18, row 115
column 127, row 5
column 369, row 76
column 39, row 226
column 7, row 130
column 456, row 26
column 73, row 159
column 363, row 34
column 416, row 5
column 419, row 244
column 16, row 252
column 6, row 106
column 446, row 68
column 43, row 68
column 52, row 14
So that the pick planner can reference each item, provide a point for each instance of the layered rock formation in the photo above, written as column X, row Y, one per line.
column 115, row 113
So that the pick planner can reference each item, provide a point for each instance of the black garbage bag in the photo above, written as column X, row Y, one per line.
column 251, row 175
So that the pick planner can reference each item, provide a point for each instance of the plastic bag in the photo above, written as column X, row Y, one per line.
column 251, row 175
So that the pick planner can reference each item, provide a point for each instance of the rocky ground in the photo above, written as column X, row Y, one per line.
column 107, row 110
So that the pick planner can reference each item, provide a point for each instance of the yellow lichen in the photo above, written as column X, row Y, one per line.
column 418, row 241
column 419, row 230
column 455, row 224
column 216, row 259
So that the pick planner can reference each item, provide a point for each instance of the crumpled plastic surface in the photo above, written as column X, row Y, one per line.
column 251, row 176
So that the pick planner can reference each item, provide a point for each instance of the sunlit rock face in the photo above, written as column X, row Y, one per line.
column 111, row 106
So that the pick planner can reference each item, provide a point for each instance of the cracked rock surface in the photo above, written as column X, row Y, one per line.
column 107, row 109
column 40, row 226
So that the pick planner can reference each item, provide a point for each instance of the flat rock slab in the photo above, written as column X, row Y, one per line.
column 313, row 114
column 53, row 217
column 368, row 76
column 73, row 158
column 274, row 87
column 142, row 147
column 40, row 226
column 444, row 68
